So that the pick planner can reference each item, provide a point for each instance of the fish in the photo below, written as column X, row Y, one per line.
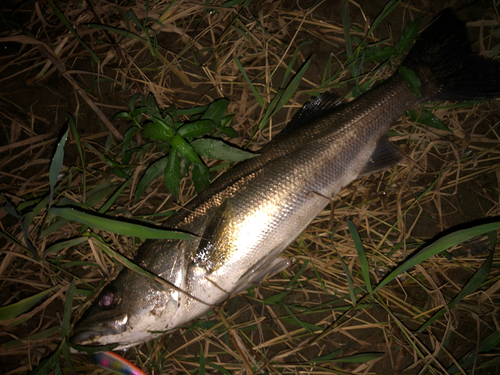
column 248, row 216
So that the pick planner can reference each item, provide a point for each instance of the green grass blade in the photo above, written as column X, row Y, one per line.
column 37, row 336
column 15, row 309
column 64, row 245
column 388, row 8
column 363, row 260
column 68, row 306
column 28, row 219
column 346, row 24
column 284, row 95
column 328, row 358
column 470, row 287
column 361, row 357
column 220, row 369
column 56, row 164
column 201, row 370
column 350, row 284
column 292, row 62
column 66, row 23
column 438, row 246
column 123, row 33
column 487, row 345
column 110, row 224
column 252, row 87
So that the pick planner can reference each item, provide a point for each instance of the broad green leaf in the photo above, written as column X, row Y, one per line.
column 226, row 121
column 132, row 100
column 185, row 149
column 380, row 54
column 201, row 177
column 158, row 130
column 216, row 111
column 409, row 35
column 230, row 132
column 127, row 138
column 123, row 115
column 154, row 171
column 413, row 81
column 427, row 118
column 219, row 150
column 153, row 110
column 56, row 164
column 172, row 174
column 110, row 224
column 197, row 129
column 15, row 309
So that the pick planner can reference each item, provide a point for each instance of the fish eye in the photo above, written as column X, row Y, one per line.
column 109, row 297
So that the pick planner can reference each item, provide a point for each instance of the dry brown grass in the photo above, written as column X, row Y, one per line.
column 254, row 332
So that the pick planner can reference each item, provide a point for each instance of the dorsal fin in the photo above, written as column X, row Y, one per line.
column 325, row 104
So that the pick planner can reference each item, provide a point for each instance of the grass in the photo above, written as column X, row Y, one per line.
column 384, row 280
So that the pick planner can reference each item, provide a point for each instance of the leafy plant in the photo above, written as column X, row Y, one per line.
column 182, row 142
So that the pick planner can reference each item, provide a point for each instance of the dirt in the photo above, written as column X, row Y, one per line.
column 49, row 101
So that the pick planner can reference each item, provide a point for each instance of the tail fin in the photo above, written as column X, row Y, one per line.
column 446, row 65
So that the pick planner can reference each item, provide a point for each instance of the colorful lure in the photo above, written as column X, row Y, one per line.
column 115, row 363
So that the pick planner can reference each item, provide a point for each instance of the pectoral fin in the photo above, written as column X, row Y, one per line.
column 265, row 267
column 215, row 244
column 384, row 156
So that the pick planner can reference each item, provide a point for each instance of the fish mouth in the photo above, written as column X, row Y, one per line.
column 91, row 332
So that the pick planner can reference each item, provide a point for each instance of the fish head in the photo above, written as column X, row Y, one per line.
column 133, row 308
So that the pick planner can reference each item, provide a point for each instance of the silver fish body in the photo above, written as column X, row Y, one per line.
column 248, row 216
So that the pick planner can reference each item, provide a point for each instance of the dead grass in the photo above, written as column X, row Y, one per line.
column 313, row 313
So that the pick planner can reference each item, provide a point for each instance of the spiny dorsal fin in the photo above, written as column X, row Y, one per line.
column 321, row 106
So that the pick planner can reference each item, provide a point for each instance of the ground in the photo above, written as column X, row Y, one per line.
column 301, row 320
